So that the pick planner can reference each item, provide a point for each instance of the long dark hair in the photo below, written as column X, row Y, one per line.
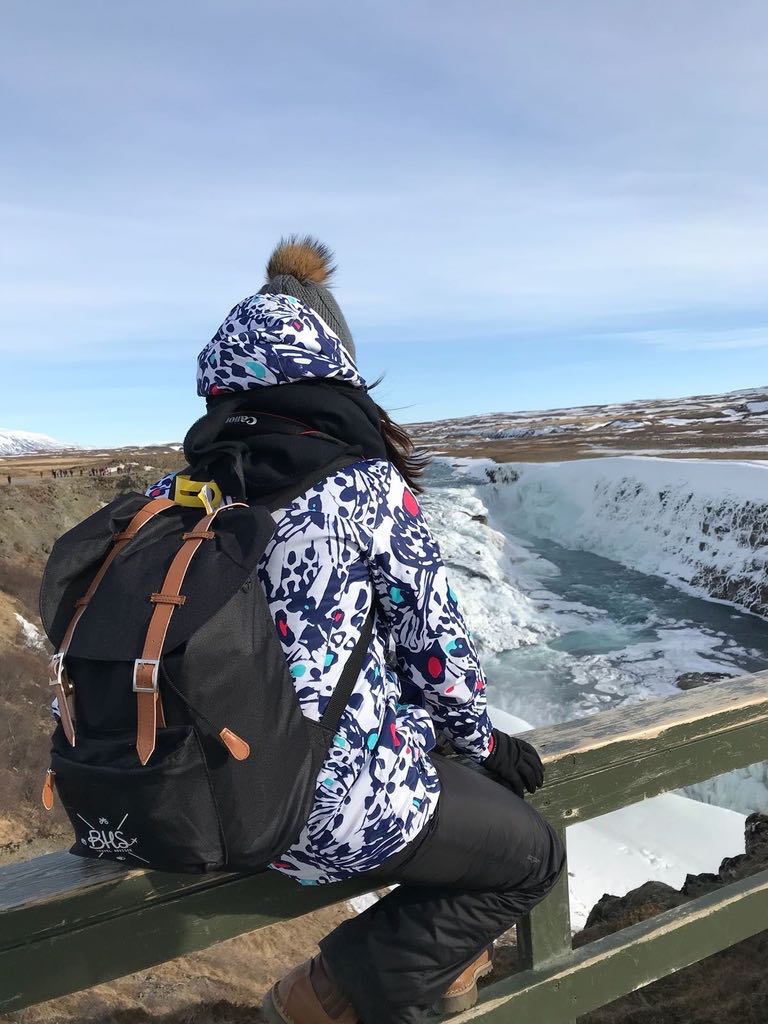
column 408, row 460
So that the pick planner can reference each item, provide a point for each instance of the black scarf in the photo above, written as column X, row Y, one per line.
column 268, row 441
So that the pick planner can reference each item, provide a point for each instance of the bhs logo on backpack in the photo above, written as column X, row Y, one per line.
column 103, row 839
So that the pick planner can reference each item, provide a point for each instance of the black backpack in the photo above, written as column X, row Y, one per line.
column 181, row 745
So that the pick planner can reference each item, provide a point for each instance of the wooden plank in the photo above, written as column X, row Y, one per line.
column 584, row 796
column 597, row 764
column 31, row 882
column 82, row 952
column 611, row 967
column 629, row 731
column 60, row 891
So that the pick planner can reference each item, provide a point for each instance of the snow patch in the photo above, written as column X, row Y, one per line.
column 360, row 903
column 508, row 723
column 31, row 634
column 534, row 431
column 662, row 839
column 628, row 424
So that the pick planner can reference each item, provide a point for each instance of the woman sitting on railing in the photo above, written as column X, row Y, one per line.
column 470, row 855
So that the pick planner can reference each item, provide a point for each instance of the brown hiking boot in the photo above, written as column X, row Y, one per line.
column 462, row 994
column 308, row 995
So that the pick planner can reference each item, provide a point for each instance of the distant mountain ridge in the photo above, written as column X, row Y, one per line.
column 24, row 442
column 732, row 425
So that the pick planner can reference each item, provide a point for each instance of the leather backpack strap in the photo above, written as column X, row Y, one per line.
column 57, row 673
column 166, row 601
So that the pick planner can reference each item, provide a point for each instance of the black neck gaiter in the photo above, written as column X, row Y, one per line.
column 270, row 440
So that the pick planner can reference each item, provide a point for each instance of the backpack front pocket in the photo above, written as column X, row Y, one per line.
column 161, row 815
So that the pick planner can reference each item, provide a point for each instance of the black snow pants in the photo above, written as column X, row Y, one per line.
column 484, row 859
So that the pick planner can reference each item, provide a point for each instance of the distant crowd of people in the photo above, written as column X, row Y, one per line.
column 57, row 474
column 95, row 471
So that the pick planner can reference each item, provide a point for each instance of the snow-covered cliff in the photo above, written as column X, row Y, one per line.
column 702, row 523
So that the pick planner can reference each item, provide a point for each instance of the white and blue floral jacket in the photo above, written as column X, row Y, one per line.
column 354, row 539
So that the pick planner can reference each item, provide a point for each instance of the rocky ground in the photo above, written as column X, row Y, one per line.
column 728, row 987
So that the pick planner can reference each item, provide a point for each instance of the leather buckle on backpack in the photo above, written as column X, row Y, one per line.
column 155, row 663
column 57, row 675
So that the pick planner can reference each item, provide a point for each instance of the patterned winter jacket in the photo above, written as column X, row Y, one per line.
column 356, row 538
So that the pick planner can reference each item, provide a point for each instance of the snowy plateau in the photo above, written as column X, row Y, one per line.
column 731, row 425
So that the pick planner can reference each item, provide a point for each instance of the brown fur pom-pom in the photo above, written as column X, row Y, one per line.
column 304, row 258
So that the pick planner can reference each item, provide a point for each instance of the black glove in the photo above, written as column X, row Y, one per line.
column 516, row 762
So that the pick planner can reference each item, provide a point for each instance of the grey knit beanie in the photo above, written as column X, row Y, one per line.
column 302, row 267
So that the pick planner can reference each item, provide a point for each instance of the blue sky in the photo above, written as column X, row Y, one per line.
column 531, row 204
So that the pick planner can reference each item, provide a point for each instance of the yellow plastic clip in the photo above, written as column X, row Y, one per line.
column 206, row 495
column 195, row 493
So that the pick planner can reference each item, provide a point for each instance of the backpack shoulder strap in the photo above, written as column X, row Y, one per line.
column 57, row 673
column 165, row 601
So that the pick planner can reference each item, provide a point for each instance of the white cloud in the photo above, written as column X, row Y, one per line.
column 690, row 339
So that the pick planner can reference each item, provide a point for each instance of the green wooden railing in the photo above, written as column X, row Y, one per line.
column 67, row 924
